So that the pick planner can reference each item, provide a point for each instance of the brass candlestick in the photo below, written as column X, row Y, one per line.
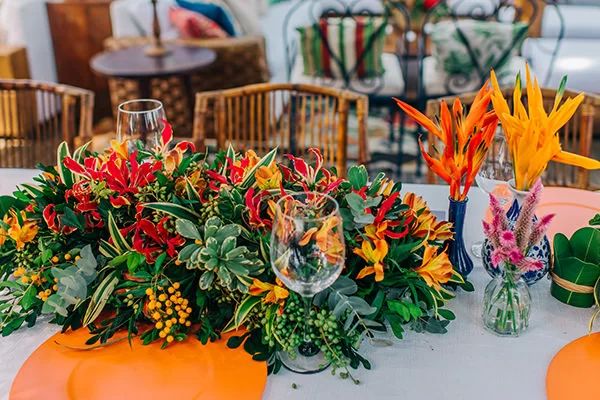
column 156, row 49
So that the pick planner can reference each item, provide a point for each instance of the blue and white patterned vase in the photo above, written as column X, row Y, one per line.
column 540, row 251
column 457, row 253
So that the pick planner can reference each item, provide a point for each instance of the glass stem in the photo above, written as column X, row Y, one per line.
column 307, row 307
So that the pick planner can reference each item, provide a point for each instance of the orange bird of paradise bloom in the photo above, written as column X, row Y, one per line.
column 466, row 140
column 532, row 134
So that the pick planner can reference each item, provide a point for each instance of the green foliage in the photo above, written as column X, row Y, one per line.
column 72, row 284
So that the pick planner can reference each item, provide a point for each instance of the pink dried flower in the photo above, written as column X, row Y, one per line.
column 539, row 229
column 515, row 256
column 530, row 264
column 498, row 257
column 523, row 226
column 507, row 239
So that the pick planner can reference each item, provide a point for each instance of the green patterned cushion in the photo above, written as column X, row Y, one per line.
column 493, row 44
column 343, row 47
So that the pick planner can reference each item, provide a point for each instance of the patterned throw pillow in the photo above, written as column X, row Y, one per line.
column 192, row 25
column 343, row 48
column 493, row 45
column 214, row 11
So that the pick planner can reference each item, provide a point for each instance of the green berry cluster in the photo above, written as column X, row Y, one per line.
column 153, row 192
column 209, row 209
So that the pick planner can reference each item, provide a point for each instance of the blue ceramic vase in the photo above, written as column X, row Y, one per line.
column 459, row 257
column 540, row 251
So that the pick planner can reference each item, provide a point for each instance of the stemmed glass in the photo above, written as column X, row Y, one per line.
column 495, row 172
column 142, row 120
column 307, row 254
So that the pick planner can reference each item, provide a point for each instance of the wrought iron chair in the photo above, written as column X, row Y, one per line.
column 36, row 116
column 465, row 70
column 293, row 117
column 381, row 88
column 575, row 136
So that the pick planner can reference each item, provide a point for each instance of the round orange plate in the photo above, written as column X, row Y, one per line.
column 186, row 370
column 573, row 372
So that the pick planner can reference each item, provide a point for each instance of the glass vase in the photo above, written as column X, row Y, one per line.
column 457, row 252
column 540, row 251
column 507, row 303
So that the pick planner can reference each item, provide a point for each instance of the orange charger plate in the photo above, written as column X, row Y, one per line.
column 185, row 370
column 573, row 209
column 573, row 372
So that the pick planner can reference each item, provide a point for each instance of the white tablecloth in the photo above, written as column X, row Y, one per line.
column 467, row 363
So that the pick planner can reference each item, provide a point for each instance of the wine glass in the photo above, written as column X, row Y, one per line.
column 493, row 176
column 142, row 120
column 307, row 255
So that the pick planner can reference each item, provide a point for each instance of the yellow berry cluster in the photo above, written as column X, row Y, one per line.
column 168, row 310
column 67, row 257
column 26, row 278
column 44, row 294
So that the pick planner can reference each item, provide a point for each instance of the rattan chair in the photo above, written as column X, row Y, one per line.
column 575, row 136
column 36, row 116
column 293, row 117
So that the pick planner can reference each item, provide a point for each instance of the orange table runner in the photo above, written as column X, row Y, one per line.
column 186, row 370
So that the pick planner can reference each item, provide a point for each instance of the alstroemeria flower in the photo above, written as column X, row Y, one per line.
column 172, row 156
column 4, row 232
column 326, row 239
column 276, row 294
column 374, row 257
column 21, row 233
column 425, row 222
column 268, row 177
column 435, row 268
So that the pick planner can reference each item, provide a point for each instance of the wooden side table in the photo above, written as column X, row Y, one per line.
column 133, row 65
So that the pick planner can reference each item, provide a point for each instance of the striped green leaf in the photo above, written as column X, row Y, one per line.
column 174, row 209
column 107, row 249
column 79, row 153
column 118, row 240
column 32, row 190
column 265, row 161
column 99, row 298
column 65, row 174
column 243, row 310
column 191, row 191
column 229, row 157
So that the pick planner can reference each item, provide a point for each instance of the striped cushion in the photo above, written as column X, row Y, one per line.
column 343, row 48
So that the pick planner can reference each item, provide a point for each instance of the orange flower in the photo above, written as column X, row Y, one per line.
column 426, row 223
column 466, row 140
column 327, row 241
column 276, row 294
column 435, row 269
column 21, row 234
column 268, row 177
column 374, row 257
column 531, row 134
column 120, row 148
column 4, row 232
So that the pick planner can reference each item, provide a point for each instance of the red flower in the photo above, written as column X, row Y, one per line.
column 253, row 204
column 429, row 4
column 311, row 177
column 51, row 218
column 151, row 239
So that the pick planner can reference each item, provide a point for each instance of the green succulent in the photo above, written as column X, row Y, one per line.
column 218, row 254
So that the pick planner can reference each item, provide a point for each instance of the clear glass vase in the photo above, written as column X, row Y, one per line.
column 507, row 303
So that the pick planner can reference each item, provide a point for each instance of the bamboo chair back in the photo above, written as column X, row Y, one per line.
column 36, row 116
column 291, row 117
column 575, row 136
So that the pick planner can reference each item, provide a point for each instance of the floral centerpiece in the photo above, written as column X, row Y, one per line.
column 507, row 300
column 165, row 244
column 466, row 139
